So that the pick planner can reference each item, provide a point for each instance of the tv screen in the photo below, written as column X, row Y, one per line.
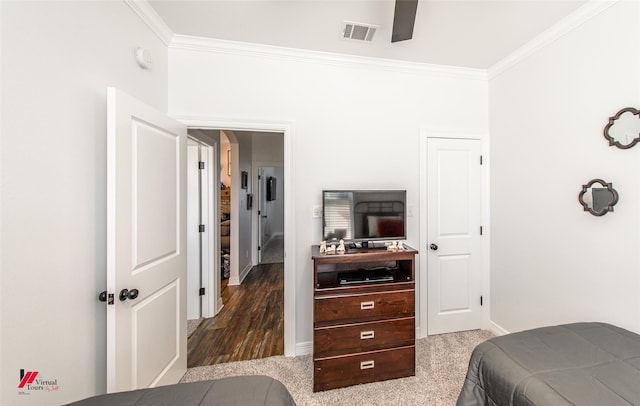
column 364, row 215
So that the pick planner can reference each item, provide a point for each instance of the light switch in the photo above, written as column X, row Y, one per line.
column 317, row 211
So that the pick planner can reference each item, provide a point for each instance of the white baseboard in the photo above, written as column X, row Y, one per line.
column 305, row 348
column 496, row 329
column 245, row 272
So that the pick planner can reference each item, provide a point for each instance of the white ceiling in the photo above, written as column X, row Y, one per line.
column 467, row 33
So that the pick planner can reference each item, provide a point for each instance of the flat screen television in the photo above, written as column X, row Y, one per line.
column 364, row 215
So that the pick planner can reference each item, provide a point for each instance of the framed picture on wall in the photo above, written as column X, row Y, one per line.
column 244, row 180
column 271, row 188
column 249, row 201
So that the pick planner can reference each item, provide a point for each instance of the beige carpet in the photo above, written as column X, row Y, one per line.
column 192, row 325
column 441, row 364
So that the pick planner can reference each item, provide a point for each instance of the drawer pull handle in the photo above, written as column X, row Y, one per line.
column 367, row 364
column 367, row 305
column 365, row 335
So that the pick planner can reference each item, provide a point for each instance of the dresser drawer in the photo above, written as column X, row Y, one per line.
column 363, row 307
column 338, row 372
column 359, row 337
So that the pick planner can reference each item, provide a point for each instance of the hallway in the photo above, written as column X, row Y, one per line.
column 273, row 251
column 249, row 326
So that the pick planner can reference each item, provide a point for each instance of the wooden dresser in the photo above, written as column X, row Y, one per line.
column 363, row 317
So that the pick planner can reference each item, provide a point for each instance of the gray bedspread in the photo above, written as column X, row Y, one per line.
column 573, row 364
column 236, row 391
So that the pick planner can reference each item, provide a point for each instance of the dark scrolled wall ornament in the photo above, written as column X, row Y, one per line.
column 598, row 197
column 623, row 129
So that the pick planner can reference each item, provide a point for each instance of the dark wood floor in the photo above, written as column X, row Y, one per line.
column 249, row 326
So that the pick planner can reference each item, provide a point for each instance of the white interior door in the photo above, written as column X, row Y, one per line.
column 262, row 212
column 194, row 248
column 453, row 235
column 146, row 246
column 211, row 302
column 202, row 287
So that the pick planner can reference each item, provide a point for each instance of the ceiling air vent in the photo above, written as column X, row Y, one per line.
column 358, row 31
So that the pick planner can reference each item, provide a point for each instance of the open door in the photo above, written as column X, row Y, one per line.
column 262, row 214
column 146, row 246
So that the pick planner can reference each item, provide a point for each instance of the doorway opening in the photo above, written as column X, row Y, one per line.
column 249, row 293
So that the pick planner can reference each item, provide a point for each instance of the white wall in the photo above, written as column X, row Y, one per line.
column 356, row 125
column 268, row 147
column 57, row 60
column 551, row 262
column 194, row 248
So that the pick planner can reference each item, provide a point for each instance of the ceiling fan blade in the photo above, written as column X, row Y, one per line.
column 404, row 18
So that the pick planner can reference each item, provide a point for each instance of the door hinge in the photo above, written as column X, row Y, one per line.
column 480, row 230
column 480, row 159
column 201, row 228
column 480, row 300
column 259, row 248
column 200, row 165
column 201, row 291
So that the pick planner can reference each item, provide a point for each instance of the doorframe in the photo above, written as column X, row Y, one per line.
column 485, row 216
column 287, row 129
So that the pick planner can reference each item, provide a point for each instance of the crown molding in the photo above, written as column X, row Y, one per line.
column 574, row 20
column 184, row 42
column 190, row 43
column 149, row 16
